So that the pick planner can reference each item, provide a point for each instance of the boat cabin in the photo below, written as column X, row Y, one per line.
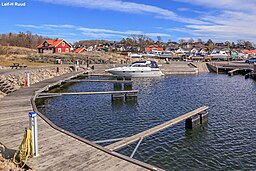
column 151, row 64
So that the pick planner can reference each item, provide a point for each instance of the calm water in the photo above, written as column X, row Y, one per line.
column 228, row 142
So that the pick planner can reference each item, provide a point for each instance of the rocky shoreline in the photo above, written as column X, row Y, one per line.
column 16, row 79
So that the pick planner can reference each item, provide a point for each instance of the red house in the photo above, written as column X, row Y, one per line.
column 54, row 46
column 80, row 50
column 154, row 48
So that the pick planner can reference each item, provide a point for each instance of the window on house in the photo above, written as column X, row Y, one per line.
column 63, row 44
column 67, row 50
column 59, row 50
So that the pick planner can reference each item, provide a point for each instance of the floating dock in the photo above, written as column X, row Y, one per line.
column 230, row 68
column 156, row 129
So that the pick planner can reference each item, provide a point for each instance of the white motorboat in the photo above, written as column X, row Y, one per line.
column 165, row 55
column 135, row 55
column 138, row 69
column 220, row 55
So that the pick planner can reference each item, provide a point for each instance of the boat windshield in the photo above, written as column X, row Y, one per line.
column 151, row 64
column 154, row 64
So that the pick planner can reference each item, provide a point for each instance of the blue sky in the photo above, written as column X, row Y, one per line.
column 75, row 20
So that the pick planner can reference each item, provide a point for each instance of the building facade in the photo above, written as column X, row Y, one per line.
column 54, row 46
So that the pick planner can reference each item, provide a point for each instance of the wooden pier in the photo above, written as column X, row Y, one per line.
column 232, row 72
column 58, row 149
column 104, row 81
column 230, row 68
column 155, row 129
column 87, row 93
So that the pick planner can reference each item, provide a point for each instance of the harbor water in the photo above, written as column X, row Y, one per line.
column 227, row 142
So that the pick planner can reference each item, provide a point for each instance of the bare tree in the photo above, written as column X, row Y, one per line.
column 199, row 40
column 191, row 41
column 182, row 41
column 159, row 39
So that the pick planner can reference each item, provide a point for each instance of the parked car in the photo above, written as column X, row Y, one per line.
column 250, row 60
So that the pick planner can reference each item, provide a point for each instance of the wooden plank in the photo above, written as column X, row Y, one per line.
column 18, row 109
column 99, row 75
column 154, row 130
column 83, row 157
column 234, row 70
column 89, row 93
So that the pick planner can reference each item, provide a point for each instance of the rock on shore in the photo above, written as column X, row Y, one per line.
column 16, row 80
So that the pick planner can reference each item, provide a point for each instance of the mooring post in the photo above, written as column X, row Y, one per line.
column 34, row 128
column 28, row 79
column 203, row 117
column 119, row 97
column 128, row 86
column 192, row 122
column 130, row 96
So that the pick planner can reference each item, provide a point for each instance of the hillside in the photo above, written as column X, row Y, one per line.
column 30, row 57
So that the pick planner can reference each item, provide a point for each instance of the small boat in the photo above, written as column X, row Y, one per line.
column 138, row 69
column 135, row 55
column 219, row 55
column 165, row 55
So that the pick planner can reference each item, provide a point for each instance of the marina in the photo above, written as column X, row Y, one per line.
column 128, row 85
column 119, row 121
column 54, row 142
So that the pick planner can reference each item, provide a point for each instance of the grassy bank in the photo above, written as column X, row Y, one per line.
column 31, row 58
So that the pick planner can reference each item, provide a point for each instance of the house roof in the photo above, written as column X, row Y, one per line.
column 78, row 50
column 53, row 43
column 249, row 51
column 154, row 46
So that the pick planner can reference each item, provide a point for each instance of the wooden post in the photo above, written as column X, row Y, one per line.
column 118, row 97
column 131, row 97
column 117, row 86
column 127, row 86
column 203, row 117
column 192, row 122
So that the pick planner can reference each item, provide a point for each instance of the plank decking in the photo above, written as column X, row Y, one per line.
column 58, row 149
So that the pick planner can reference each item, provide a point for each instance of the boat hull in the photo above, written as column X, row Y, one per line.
column 135, row 73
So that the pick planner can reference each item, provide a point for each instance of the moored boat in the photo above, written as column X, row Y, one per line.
column 138, row 69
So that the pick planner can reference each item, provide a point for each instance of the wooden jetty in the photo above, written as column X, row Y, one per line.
column 58, row 149
column 226, row 67
column 104, row 81
column 155, row 129
column 232, row 72
column 99, row 75
column 88, row 93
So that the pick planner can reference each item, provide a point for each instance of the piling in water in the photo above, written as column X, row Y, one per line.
column 118, row 97
column 192, row 122
column 196, row 120
column 131, row 97
column 203, row 117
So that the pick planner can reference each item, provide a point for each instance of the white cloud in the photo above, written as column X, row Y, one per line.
column 101, row 35
column 90, row 32
column 157, row 34
column 240, row 5
column 29, row 26
column 220, row 19
column 58, row 26
column 230, row 20
column 128, row 7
